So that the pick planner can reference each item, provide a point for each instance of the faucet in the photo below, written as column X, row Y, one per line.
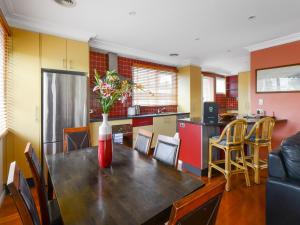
column 160, row 110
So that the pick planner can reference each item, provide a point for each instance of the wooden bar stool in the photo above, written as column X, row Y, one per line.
column 230, row 140
column 259, row 136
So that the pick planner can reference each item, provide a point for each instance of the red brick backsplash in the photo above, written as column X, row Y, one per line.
column 99, row 61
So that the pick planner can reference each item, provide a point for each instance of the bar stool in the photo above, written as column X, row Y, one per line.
column 230, row 140
column 259, row 136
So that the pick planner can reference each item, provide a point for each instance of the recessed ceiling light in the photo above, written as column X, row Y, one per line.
column 173, row 54
column 66, row 3
column 228, row 51
column 132, row 13
column 251, row 17
column 197, row 39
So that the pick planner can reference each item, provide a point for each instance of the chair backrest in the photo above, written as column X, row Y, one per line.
column 235, row 132
column 76, row 138
column 262, row 130
column 200, row 207
column 143, row 141
column 36, row 171
column 166, row 150
column 21, row 194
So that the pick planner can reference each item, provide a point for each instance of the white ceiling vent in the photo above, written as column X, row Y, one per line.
column 66, row 3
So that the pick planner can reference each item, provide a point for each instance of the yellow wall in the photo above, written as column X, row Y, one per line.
column 244, row 93
column 190, row 90
column 24, row 98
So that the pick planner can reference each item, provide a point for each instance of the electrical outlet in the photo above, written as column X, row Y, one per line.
column 260, row 101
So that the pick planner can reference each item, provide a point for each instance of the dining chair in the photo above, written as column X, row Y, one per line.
column 259, row 136
column 50, row 213
column 22, row 197
column 76, row 138
column 166, row 150
column 231, row 140
column 200, row 207
column 143, row 141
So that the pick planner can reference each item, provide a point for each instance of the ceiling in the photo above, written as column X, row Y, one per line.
column 160, row 27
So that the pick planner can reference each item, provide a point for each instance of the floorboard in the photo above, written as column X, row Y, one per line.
column 242, row 205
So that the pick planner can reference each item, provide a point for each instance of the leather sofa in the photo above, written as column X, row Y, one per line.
column 283, row 185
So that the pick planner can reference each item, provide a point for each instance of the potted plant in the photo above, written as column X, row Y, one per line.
column 110, row 88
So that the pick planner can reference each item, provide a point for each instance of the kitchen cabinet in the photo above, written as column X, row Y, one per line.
column 164, row 125
column 64, row 54
column 77, row 56
column 53, row 52
column 94, row 129
column 232, row 86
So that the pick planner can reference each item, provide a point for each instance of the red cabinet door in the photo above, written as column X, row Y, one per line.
column 190, row 144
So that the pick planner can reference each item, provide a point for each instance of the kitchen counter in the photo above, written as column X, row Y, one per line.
column 199, row 121
column 139, row 116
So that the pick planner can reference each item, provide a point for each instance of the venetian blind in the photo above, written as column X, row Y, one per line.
column 3, row 69
column 161, row 83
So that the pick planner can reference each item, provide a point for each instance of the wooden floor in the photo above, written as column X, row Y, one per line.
column 242, row 205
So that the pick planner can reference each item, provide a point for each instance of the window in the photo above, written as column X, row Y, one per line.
column 208, row 89
column 3, row 64
column 161, row 83
column 220, row 85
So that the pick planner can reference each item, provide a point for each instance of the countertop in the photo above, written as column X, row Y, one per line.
column 139, row 116
column 198, row 120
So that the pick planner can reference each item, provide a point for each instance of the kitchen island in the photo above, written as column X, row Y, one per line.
column 194, row 135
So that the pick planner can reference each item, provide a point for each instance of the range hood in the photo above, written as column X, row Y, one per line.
column 112, row 61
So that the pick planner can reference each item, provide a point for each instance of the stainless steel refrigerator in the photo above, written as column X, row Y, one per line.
column 64, row 101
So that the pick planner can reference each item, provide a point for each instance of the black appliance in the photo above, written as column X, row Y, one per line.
column 210, row 113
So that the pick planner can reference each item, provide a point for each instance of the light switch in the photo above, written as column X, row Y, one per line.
column 260, row 101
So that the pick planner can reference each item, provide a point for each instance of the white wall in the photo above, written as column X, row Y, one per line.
column 1, row 172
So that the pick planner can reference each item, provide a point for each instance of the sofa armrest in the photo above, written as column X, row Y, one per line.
column 276, row 166
column 282, row 201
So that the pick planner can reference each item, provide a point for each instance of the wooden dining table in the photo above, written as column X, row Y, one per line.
column 135, row 189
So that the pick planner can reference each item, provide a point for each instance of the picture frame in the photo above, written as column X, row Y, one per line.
column 278, row 79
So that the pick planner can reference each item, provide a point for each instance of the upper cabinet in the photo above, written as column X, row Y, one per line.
column 232, row 86
column 77, row 56
column 53, row 52
column 63, row 54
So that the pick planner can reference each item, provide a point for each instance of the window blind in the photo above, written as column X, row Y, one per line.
column 3, row 70
column 161, row 83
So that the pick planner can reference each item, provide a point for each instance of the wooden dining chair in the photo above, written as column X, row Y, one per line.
column 231, row 140
column 199, row 208
column 143, row 141
column 166, row 150
column 76, row 138
column 49, row 209
column 259, row 136
column 22, row 197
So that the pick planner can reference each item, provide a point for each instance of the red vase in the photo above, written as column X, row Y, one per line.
column 105, row 146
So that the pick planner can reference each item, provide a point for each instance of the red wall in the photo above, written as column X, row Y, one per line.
column 99, row 62
column 284, row 105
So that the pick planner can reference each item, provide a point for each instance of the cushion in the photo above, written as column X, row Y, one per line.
column 252, row 139
column 222, row 142
column 290, row 149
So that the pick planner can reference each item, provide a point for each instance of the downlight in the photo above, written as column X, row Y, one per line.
column 66, row 3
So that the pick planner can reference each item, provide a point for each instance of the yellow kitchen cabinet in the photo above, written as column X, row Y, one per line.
column 135, row 131
column 77, row 56
column 165, row 125
column 53, row 52
column 64, row 54
column 94, row 129
column 24, row 98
